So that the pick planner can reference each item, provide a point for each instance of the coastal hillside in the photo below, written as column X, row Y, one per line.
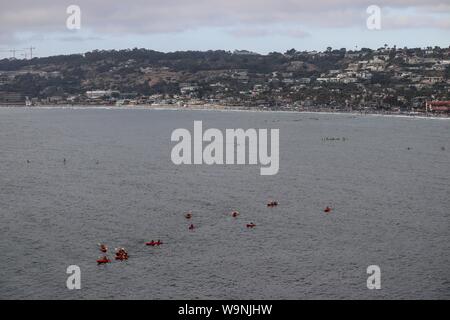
column 386, row 79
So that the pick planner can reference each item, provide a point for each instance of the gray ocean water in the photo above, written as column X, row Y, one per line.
column 388, row 182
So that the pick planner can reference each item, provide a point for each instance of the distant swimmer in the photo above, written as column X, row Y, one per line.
column 103, row 248
column 251, row 225
column 234, row 214
column 64, row 161
column 188, row 215
column 191, row 227
column 327, row 210
column 28, row 161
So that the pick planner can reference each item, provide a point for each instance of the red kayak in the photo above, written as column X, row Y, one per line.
column 327, row 210
column 151, row 243
column 272, row 204
column 251, row 225
column 103, row 260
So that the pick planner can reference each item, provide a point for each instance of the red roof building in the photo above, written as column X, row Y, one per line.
column 437, row 106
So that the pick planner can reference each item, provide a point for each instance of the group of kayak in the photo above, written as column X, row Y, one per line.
column 234, row 214
column 188, row 216
column 121, row 254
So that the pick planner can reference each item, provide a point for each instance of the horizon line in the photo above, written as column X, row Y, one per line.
column 232, row 51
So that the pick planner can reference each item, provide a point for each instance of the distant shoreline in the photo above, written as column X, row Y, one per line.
column 220, row 108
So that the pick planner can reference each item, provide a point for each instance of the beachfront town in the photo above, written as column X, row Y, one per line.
column 388, row 80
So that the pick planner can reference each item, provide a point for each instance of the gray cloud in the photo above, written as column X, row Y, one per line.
column 244, row 17
column 263, row 32
column 75, row 38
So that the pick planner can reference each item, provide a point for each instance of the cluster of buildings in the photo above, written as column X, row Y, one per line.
column 389, row 80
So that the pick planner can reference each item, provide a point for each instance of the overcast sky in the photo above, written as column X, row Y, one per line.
column 258, row 25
